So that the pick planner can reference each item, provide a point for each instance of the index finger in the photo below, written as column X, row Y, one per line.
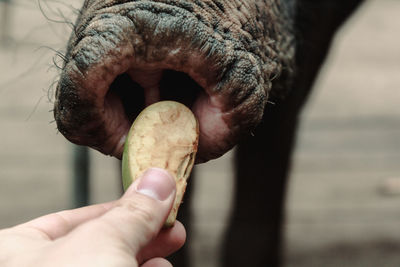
column 58, row 224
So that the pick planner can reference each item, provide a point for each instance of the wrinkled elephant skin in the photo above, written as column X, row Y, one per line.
column 219, row 57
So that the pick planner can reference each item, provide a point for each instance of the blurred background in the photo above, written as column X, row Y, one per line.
column 343, row 205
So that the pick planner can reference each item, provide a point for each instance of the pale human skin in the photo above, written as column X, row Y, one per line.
column 125, row 232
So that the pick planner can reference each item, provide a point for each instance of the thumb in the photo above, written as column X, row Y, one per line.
column 139, row 215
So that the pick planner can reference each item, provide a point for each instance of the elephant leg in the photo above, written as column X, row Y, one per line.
column 261, row 163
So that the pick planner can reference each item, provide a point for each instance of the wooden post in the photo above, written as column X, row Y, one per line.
column 4, row 21
column 81, row 175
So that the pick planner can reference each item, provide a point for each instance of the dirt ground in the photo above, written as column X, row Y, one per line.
column 340, row 209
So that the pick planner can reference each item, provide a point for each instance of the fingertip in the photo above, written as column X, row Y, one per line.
column 155, row 183
column 157, row 262
column 178, row 235
column 168, row 241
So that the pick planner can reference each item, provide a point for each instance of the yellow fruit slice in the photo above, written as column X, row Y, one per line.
column 164, row 135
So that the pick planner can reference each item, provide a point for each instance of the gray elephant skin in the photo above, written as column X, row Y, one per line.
column 244, row 67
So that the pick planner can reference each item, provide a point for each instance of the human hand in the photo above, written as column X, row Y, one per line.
column 122, row 233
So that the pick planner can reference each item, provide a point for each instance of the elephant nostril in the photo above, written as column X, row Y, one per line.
column 180, row 87
column 128, row 93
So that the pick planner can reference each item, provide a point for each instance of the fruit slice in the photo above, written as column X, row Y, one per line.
column 164, row 135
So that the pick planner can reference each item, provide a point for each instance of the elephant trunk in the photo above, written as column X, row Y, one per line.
column 125, row 56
